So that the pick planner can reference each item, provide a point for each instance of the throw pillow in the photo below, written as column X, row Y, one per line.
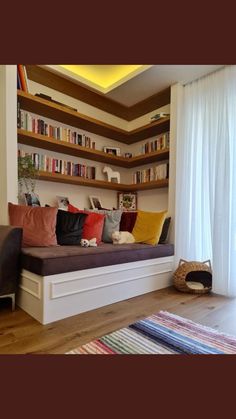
column 112, row 223
column 73, row 209
column 165, row 230
column 69, row 227
column 93, row 226
column 148, row 227
column 38, row 223
column 127, row 221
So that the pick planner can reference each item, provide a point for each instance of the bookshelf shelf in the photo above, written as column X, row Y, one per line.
column 76, row 180
column 67, row 116
column 49, row 143
column 73, row 118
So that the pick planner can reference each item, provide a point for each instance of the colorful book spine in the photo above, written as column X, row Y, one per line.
column 49, row 164
column 159, row 172
column 161, row 143
column 27, row 122
column 22, row 76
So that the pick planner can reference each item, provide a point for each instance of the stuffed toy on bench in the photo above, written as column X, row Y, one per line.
column 88, row 243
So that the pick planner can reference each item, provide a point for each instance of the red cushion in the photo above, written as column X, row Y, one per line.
column 73, row 209
column 127, row 221
column 38, row 223
column 93, row 226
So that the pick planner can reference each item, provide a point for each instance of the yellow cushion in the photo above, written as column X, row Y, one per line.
column 148, row 226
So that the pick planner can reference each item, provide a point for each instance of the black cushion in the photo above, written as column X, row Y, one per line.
column 69, row 227
column 165, row 230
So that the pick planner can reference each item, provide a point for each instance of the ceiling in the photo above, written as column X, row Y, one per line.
column 103, row 78
column 129, row 84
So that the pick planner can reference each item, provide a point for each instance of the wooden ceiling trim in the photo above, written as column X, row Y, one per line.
column 63, row 85
column 150, row 104
column 68, row 87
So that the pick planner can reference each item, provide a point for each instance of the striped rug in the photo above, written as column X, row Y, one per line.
column 162, row 333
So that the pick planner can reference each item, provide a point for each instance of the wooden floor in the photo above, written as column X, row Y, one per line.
column 21, row 334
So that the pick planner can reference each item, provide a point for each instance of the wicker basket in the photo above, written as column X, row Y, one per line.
column 186, row 269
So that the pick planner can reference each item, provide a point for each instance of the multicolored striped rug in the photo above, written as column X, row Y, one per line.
column 162, row 333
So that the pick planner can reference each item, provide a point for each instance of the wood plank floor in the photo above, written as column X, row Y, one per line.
column 21, row 334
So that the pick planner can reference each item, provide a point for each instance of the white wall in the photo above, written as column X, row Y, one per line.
column 8, row 139
column 176, row 98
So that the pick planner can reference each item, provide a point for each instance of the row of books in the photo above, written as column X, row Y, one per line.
column 49, row 164
column 22, row 81
column 153, row 173
column 159, row 144
column 38, row 126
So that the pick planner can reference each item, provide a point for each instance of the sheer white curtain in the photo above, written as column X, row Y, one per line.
column 206, row 176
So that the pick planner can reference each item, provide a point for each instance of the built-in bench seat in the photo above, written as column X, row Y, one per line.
column 61, row 281
column 61, row 259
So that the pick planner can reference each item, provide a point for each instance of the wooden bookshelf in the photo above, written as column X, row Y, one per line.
column 73, row 118
column 76, row 180
column 58, row 146
column 147, row 158
column 67, row 116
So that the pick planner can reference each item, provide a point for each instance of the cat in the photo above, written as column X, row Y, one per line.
column 122, row 237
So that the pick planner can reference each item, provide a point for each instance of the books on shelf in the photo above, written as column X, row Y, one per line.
column 38, row 126
column 161, row 143
column 153, row 173
column 45, row 163
column 22, row 80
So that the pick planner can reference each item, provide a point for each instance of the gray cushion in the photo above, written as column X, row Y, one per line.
column 112, row 223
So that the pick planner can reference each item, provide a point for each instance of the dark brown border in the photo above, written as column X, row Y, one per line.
column 61, row 84
column 137, row 386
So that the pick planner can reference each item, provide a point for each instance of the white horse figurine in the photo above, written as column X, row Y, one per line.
column 111, row 174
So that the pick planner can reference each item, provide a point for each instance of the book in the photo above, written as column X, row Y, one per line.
column 18, row 115
column 26, row 78
column 22, row 77
column 18, row 81
column 49, row 164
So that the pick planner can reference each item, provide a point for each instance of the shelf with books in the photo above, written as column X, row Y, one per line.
column 73, row 118
column 71, row 146
column 159, row 172
column 76, row 180
column 48, row 143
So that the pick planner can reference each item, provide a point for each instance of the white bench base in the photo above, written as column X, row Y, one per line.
column 55, row 297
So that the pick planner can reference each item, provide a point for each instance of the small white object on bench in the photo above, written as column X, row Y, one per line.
column 88, row 243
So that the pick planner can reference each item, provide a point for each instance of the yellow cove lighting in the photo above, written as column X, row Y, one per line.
column 103, row 77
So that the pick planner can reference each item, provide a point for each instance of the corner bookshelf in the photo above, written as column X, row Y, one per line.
column 73, row 118
column 76, row 180
column 59, row 146
column 67, row 116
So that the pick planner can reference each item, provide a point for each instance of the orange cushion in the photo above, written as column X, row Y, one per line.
column 93, row 226
column 38, row 223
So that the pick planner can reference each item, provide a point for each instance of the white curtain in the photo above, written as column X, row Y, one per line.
column 206, row 176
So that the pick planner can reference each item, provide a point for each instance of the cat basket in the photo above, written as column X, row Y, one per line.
column 193, row 277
